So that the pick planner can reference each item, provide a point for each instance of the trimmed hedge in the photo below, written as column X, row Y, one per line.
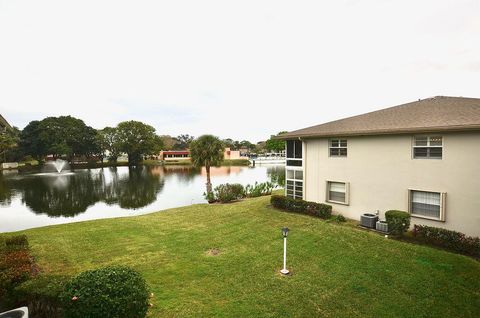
column 448, row 239
column 110, row 292
column 398, row 221
column 320, row 210
column 16, row 264
column 42, row 295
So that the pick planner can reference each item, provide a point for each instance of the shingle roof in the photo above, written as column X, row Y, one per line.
column 434, row 114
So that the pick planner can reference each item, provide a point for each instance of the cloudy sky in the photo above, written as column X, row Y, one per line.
column 238, row 69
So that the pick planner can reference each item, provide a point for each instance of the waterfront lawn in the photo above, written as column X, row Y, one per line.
column 224, row 260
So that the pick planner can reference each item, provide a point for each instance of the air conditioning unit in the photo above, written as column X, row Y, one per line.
column 382, row 226
column 16, row 313
column 368, row 220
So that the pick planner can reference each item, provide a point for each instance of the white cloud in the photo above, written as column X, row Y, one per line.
column 239, row 69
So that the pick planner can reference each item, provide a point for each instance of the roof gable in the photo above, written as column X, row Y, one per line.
column 438, row 113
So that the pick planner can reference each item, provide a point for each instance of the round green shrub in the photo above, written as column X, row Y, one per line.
column 340, row 218
column 113, row 292
column 398, row 221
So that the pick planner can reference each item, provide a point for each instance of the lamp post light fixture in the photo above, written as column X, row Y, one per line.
column 284, row 270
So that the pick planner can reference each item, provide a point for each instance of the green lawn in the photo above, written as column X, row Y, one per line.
column 337, row 270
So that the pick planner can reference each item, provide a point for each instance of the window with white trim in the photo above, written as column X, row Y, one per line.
column 294, row 153
column 294, row 184
column 338, row 147
column 337, row 192
column 427, row 147
column 427, row 204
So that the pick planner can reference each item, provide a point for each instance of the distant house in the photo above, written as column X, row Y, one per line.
column 4, row 125
column 233, row 154
column 422, row 157
column 175, row 155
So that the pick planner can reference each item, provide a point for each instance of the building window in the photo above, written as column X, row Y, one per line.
column 427, row 204
column 429, row 147
column 294, row 153
column 337, row 192
column 294, row 184
column 338, row 147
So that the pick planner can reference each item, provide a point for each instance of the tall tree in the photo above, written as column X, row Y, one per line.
column 109, row 143
column 58, row 136
column 207, row 151
column 9, row 139
column 168, row 142
column 275, row 144
column 183, row 142
column 137, row 139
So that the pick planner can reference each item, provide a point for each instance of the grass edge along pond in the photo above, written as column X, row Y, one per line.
column 224, row 260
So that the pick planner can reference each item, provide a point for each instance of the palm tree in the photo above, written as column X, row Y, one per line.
column 206, row 150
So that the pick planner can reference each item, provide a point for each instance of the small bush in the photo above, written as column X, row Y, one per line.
column 228, row 192
column 320, row 210
column 111, row 292
column 42, row 295
column 398, row 221
column 451, row 240
column 340, row 218
column 259, row 189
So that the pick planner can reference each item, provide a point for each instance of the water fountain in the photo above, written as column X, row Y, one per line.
column 58, row 165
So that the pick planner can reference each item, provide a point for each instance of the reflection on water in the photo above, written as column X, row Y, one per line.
column 99, row 193
column 68, row 194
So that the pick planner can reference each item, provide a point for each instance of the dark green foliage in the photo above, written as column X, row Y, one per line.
column 16, row 263
column 58, row 136
column 137, row 139
column 258, row 189
column 452, row 240
column 340, row 218
column 398, row 221
column 320, row 210
column 9, row 139
column 111, row 292
column 206, row 151
column 182, row 142
column 228, row 192
column 276, row 145
column 42, row 295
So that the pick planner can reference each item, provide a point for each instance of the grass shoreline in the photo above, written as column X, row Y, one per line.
column 337, row 270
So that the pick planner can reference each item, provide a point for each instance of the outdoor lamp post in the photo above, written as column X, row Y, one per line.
column 284, row 270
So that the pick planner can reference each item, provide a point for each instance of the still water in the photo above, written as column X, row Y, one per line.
column 39, row 199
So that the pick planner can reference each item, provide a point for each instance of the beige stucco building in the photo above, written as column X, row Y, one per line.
column 422, row 157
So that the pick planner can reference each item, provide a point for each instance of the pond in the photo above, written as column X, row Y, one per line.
column 29, row 200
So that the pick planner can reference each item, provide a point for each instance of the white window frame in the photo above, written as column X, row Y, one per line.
column 294, row 180
column 347, row 192
column 330, row 147
column 428, row 146
column 295, row 159
column 443, row 201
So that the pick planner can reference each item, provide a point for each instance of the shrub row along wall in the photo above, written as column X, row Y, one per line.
column 321, row 210
column 16, row 264
column 451, row 240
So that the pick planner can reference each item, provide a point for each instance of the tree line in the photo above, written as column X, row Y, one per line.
column 70, row 138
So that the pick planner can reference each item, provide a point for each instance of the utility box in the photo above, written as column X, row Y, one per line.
column 382, row 226
column 368, row 220
column 10, row 165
